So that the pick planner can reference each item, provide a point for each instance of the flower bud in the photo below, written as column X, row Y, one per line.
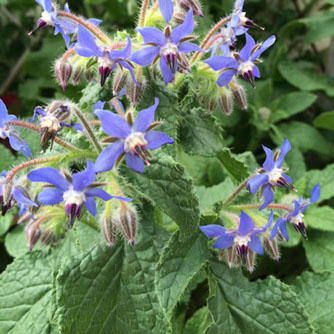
column 119, row 81
column 128, row 223
column 272, row 248
column 63, row 71
column 6, row 199
column 32, row 233
column 108, row 227
column 250, row 260
column 225, row 100
column 264, row 113
column 231, row 257
column 134, row 92
column 239, row 95
column 194, row 4
column 77, row 73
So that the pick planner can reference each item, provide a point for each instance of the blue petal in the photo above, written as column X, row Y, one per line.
column 25, row 149
column 98, row 105
column 96, row 22
column 283, row 229
column 296, row 209
column 145, row 56
column 268, row 196
column 90, row 205
column 82, row 180
column 166, row 72
column 255, row 244
column 256, row 71
column 226, row 77
column 166, row 9
column 219, row 62
column 107, row 158
column 274, row 230
column 37, row 112
column 130, row 69
column 98, row 192
column 20, row 197
column 18, row 144
column 315, row 194
column 152, row 35
column 49, row 175
column 285, row 148
column 135, row 163
column 265, row 45
column 46, row 4
column 225, row 241
column 269, row 223
column 246, row 50
column 145, row 117
column 51, row 196
column 3, row 114
column 122, row 54
column 287, row 178
column 156, row 139
column 86, row 45
column 184, row 29
column 186, row 47
column 269, row 164
column 114, row 125
column 246, row 224
column 256, row 182
column 213, row 231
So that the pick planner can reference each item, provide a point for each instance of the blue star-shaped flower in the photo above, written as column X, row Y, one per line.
column 168, row 46
column 132, row 140
column 80, row 191
column 246, row 236
column 296, row 216
column 7, row 131
column 271, row 175
column 243, row 62
column 107, row 59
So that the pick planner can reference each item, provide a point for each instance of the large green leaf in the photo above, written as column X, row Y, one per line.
column 25, row 295
column 319, row 250
column 168, row 186
column 199, row 322
column 320, row 218
column 316, row 292
column 179, row 262
column 112, row 290
column 200, row 134
column 264, row 306
column 325, row 120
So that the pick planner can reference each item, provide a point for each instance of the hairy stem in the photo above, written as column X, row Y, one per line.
column 67, row 54
column 236, row 192
column 257, row 206
column 89, row 26
column 37, row 129
column 89, row 130
column 142, row 15
column 198, row 55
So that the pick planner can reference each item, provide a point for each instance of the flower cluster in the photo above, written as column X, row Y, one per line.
column 244, row 241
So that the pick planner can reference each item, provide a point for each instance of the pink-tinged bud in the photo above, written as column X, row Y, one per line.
column 179, row 16
column 183, row 63
column 225, row 100
column 47, row 237
column 239, row 95
column 77, row 73
column 231, row 256
column 250, row 261
column 272, row 247
column 108, row 227
column 134, row 92
column 194, row 4
column 32, row 233
column 127, row 221
column 6, row 199
column 63, row 71
column 119, row 81
column 221, row 254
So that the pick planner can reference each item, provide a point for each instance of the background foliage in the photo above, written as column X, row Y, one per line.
column 169, row 282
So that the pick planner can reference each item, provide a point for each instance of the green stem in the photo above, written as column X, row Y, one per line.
column 236, row 191
column 89, row 129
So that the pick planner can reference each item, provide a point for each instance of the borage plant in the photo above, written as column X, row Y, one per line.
column 156, row 224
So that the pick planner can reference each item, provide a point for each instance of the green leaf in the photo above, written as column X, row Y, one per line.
column 319, row 250
column 263, row 306
column 200, row 134
column 306, row 138
column 291, row 104
column 263, row 93
column 199, row 322
column 167, row 185
column 112, row 290
column 321, row 218
column 25, row 295
column 304, row 78
column 16, row 242
column 180, row 261
column 211, row 195
column 325, row 120
column 235, row 168
column 316, row 292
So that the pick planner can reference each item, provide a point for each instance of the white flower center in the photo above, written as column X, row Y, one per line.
column 274, row 175
column 242, row 240
column 47, row 18
column 105, row 61
column 245, row 67
column 72, row 196
column 3, row 133
column 169, row 48
column 296, row 219
column 133, row 141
